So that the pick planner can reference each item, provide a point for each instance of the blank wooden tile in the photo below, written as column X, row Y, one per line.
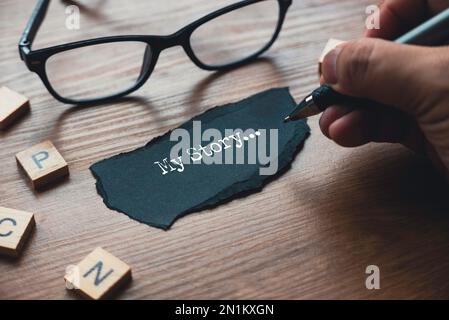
column 330, row 45
column 15, row 228
column 12, row 106
column 43, row 164
column 99, row 275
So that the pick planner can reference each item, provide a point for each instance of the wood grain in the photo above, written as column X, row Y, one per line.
column 310, row 234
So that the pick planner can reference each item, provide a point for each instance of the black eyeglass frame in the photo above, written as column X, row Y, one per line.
column 35, row 60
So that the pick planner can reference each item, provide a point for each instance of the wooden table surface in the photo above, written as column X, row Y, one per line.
column 309, row 234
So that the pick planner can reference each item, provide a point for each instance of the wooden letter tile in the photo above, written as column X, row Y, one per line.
column 15, row 228
column 98, row 275
column 43, row 164
column 330, row 45
column 12, row 106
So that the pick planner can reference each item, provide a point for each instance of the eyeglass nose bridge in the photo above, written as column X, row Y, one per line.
column 179, row 38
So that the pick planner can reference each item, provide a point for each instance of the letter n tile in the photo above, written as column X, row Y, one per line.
column 98, row 275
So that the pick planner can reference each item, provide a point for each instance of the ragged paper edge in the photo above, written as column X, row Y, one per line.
column 227, row 194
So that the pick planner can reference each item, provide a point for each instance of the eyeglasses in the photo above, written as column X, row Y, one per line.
column 105, row 68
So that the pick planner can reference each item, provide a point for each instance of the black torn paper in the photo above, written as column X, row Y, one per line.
column 133, row 184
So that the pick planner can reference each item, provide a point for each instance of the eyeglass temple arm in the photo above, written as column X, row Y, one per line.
column 32, row 27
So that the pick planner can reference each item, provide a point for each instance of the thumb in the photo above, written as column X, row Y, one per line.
column 397, row 75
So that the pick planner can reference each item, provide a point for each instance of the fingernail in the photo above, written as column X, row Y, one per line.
column 330, row 66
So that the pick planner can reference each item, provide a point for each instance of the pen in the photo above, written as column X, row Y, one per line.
column 431, row 33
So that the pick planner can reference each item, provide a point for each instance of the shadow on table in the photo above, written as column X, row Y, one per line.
column 201, row 87
column 191, row 107
column 131, row 102
column 393, row 213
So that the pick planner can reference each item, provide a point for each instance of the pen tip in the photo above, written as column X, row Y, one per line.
column 287, row 119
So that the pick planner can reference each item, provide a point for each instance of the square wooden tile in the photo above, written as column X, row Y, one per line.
column 43, row 164
column 98, row 275
column 12, row 106
column 15, row 228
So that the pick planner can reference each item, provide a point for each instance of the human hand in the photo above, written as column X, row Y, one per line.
column 411, row 82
